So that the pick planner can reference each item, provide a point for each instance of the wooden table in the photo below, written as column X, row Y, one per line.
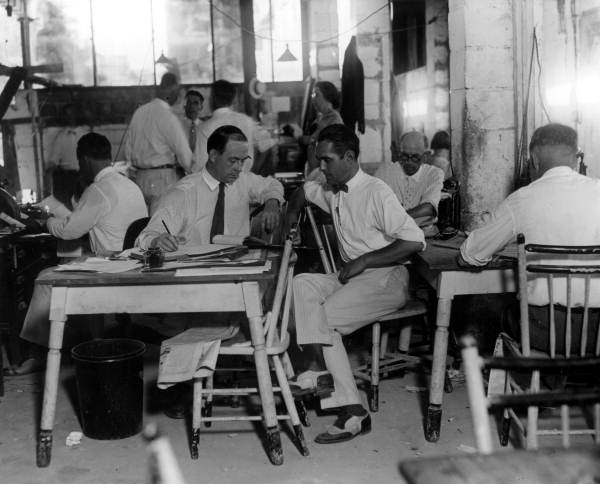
column 150, row 292
column 437, row 265
column 544, row 466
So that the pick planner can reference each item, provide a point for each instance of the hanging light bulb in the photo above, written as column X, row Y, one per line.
column 163, row 59
column 287, row 55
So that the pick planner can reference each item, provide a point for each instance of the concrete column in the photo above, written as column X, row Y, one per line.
column 482, row 106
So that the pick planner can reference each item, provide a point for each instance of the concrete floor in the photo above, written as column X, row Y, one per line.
column 229, row 452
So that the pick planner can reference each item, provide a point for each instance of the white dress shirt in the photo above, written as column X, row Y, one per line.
column 425, row 186
column 227, row 116
column 188, row 208
column 366, row 218
column 155, row 138
column 560, row 208
column 63, row 152
column 106, row 209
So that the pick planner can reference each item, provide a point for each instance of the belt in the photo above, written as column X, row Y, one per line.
column 161, row 167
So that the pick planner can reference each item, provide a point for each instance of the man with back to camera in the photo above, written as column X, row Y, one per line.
column 559, row 207
column 375, row 236
column 156, row 144
column 109, row 204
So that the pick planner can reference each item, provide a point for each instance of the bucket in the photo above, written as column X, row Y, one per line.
column 110, row 387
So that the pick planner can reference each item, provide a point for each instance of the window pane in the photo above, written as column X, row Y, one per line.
column 182, row 34
column 60, row 33
column 123, row 41
column 262, row 29
column 10, row 48
column 282, row 30
column 228, row 41
column 287, row 30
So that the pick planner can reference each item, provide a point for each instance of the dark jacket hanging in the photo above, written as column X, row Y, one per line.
column 353, row 89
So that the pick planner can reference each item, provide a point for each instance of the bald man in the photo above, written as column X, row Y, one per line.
column 417, row 185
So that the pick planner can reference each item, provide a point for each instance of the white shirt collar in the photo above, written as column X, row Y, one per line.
column 416, row 176
column 210, row 180
column 104, row 172
column 558, row 171
column 224, row 109
column 162, row 103
column 355, row 180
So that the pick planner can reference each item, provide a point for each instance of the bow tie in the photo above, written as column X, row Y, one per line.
column 342, row 187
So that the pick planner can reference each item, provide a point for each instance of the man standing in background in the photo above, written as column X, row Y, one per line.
column 156, row 143
column 194, row 101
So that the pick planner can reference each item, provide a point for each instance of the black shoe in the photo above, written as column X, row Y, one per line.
column 345, row 428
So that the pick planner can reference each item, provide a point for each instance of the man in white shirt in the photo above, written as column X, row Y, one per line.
column 375, row 235
column 106, row 209
column 560, row 207
column 188, row 209
column 194, row 102
column 223, row 95
column 418, row 186
column 156, row 144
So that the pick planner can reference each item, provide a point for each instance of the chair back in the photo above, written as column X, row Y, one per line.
column 569, row 272
column 529, row 398
column 133, row 231
column 276, row 320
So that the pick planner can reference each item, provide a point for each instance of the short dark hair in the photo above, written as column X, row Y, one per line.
column 342, row 137
column 440, row 141
column 223, row 93
column 168, row 80
column 220, row 136
column 95, row 146
column 330, row 93
column 194, row 92
column 554, row 134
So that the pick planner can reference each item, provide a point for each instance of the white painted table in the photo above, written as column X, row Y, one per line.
column 437, row 265
column 151, row 292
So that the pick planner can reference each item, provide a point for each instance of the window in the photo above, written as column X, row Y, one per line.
column 277, row 25
column 116, row 42
column 408, row 37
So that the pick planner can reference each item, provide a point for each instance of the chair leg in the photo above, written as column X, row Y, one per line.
column 374, row 393
column 404, row 338
column 289, row 405
column 505, row 428
column 208, row 404
column 448, row 388
column 196, row 417
column 300, row 407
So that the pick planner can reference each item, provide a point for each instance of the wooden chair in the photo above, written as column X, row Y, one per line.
column 536, row 260
column 531, row 398
column 382, row 362
column 277, row 342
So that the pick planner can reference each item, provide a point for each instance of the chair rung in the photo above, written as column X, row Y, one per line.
column 254, row 418
column 570, row 432
column 360, row 374
column 233, row 391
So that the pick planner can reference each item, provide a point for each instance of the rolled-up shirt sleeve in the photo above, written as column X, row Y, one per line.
column 91, row 207
column 315, row 193
column 392, row 219
column 483, row 243
column 172, row 210
column 261, row 189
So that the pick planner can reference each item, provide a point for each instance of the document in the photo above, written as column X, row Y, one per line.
column 99, row 264
column 193, row 252
column 222, row 271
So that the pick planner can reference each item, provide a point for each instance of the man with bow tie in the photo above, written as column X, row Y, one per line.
column 417, row 185
column 375, row 236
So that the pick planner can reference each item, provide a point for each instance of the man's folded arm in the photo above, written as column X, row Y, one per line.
column 83, row 218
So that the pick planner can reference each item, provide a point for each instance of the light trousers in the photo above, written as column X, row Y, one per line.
column 325, row 310
column 154, row 184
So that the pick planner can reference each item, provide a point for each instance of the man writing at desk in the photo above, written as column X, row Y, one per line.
column 215, row 200
column 107, row 207
column 559, row 207
column 375, row 236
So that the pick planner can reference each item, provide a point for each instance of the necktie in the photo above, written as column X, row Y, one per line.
column 218, row 221
column 193, row 136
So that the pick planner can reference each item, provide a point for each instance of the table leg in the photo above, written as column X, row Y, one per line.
column 44, row 443
column 433, row 418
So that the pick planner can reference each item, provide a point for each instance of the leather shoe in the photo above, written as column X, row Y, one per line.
column 318, row 383
column 176, row 411
column 345, row 428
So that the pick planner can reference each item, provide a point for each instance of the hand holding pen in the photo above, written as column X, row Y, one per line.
column 166, row 241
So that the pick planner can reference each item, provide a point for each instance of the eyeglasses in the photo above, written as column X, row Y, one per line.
column 404, row 157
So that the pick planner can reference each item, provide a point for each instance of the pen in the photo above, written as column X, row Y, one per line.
column 165, row 225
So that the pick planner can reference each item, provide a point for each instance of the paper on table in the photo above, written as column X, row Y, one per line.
column 211, row 271
column 98, row 264
column 183, row 251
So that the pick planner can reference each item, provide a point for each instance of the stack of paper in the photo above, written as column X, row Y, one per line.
column 99, row 264
column 211, row 271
